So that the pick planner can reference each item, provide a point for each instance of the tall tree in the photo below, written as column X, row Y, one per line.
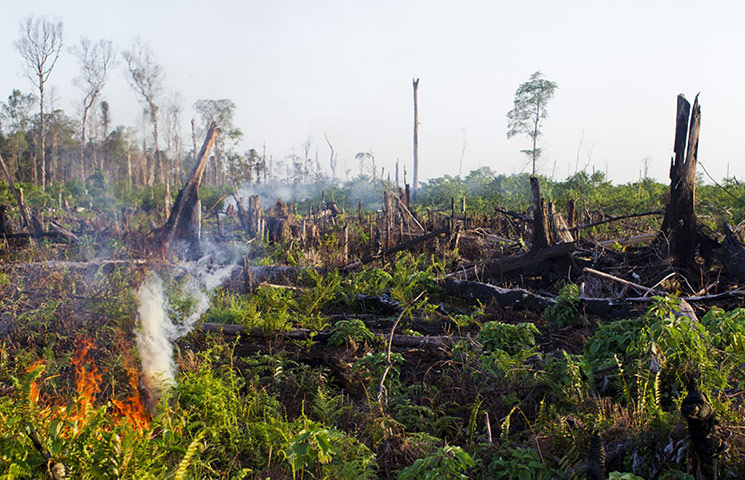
column 40, row 45
column 146, row 77
column 529, row 111
column 95, row 60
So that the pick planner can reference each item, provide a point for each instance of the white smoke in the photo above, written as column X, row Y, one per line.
column 160, row 326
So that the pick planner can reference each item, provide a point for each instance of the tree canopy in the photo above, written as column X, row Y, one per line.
column 529, row 111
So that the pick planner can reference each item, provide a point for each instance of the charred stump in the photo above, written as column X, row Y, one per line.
column 541, row 230
column 255, row 216
column 184, row 222
column 702, row 421
column 679, row 225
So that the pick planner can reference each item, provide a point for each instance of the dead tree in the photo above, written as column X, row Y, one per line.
column 415, row 84
column 541, row 230
column 679, row 225
column 40, row 45
column 184, row 222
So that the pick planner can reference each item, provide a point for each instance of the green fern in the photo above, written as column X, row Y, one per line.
column 191, row 451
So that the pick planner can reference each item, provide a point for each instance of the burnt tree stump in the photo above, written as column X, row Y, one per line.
column 679, row 225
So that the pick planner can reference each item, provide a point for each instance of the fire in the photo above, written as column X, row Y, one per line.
column 88, row 386
column 34, row 390
column 87, row 379
column 133, row 409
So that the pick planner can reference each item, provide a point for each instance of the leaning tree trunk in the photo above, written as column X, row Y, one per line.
column 185, row 219
column 679, row 225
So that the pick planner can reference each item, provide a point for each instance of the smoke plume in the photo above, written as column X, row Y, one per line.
column 161, row 325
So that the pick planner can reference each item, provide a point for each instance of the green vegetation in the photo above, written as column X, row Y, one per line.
column 514, row 394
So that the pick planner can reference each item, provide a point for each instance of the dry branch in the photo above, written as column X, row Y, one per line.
column 613, row 278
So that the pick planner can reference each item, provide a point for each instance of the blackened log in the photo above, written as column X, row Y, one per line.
column 503, row 265
column 61, row 231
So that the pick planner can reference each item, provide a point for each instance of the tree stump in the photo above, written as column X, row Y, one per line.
column 679, row 225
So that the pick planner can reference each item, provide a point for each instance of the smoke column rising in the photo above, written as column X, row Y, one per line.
column 157, row 333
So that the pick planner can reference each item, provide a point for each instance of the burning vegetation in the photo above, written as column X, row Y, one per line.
column 496, row 327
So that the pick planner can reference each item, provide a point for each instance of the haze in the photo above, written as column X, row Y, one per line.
column 297, row 69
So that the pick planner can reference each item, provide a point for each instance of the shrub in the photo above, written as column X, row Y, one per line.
column 507, row 337
column 445, row 463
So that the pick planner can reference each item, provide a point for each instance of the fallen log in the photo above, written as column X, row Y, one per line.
column 502, row 265
column 62, row 232
column 401, row 341
column 505, row 297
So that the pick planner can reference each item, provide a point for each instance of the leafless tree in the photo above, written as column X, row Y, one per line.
column 332, row 159
column 40, row 44
column 146, row 77
column 95, row 61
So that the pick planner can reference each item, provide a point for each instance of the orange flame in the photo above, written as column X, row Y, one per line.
column 87, row 379
column 132, row 408
column 88, row 385
column 34, row 390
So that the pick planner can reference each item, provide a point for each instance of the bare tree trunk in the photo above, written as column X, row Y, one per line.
column 82, row 144
column 679, row 225
column 129, row 166
column 42, row 136
column 415, row 83
column 541, row 236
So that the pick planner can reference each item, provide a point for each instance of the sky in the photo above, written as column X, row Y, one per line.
column 297, row 69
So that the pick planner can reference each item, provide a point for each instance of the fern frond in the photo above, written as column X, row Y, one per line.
column 190, row 452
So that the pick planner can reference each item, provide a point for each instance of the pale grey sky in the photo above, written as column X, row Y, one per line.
column 297, row 69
